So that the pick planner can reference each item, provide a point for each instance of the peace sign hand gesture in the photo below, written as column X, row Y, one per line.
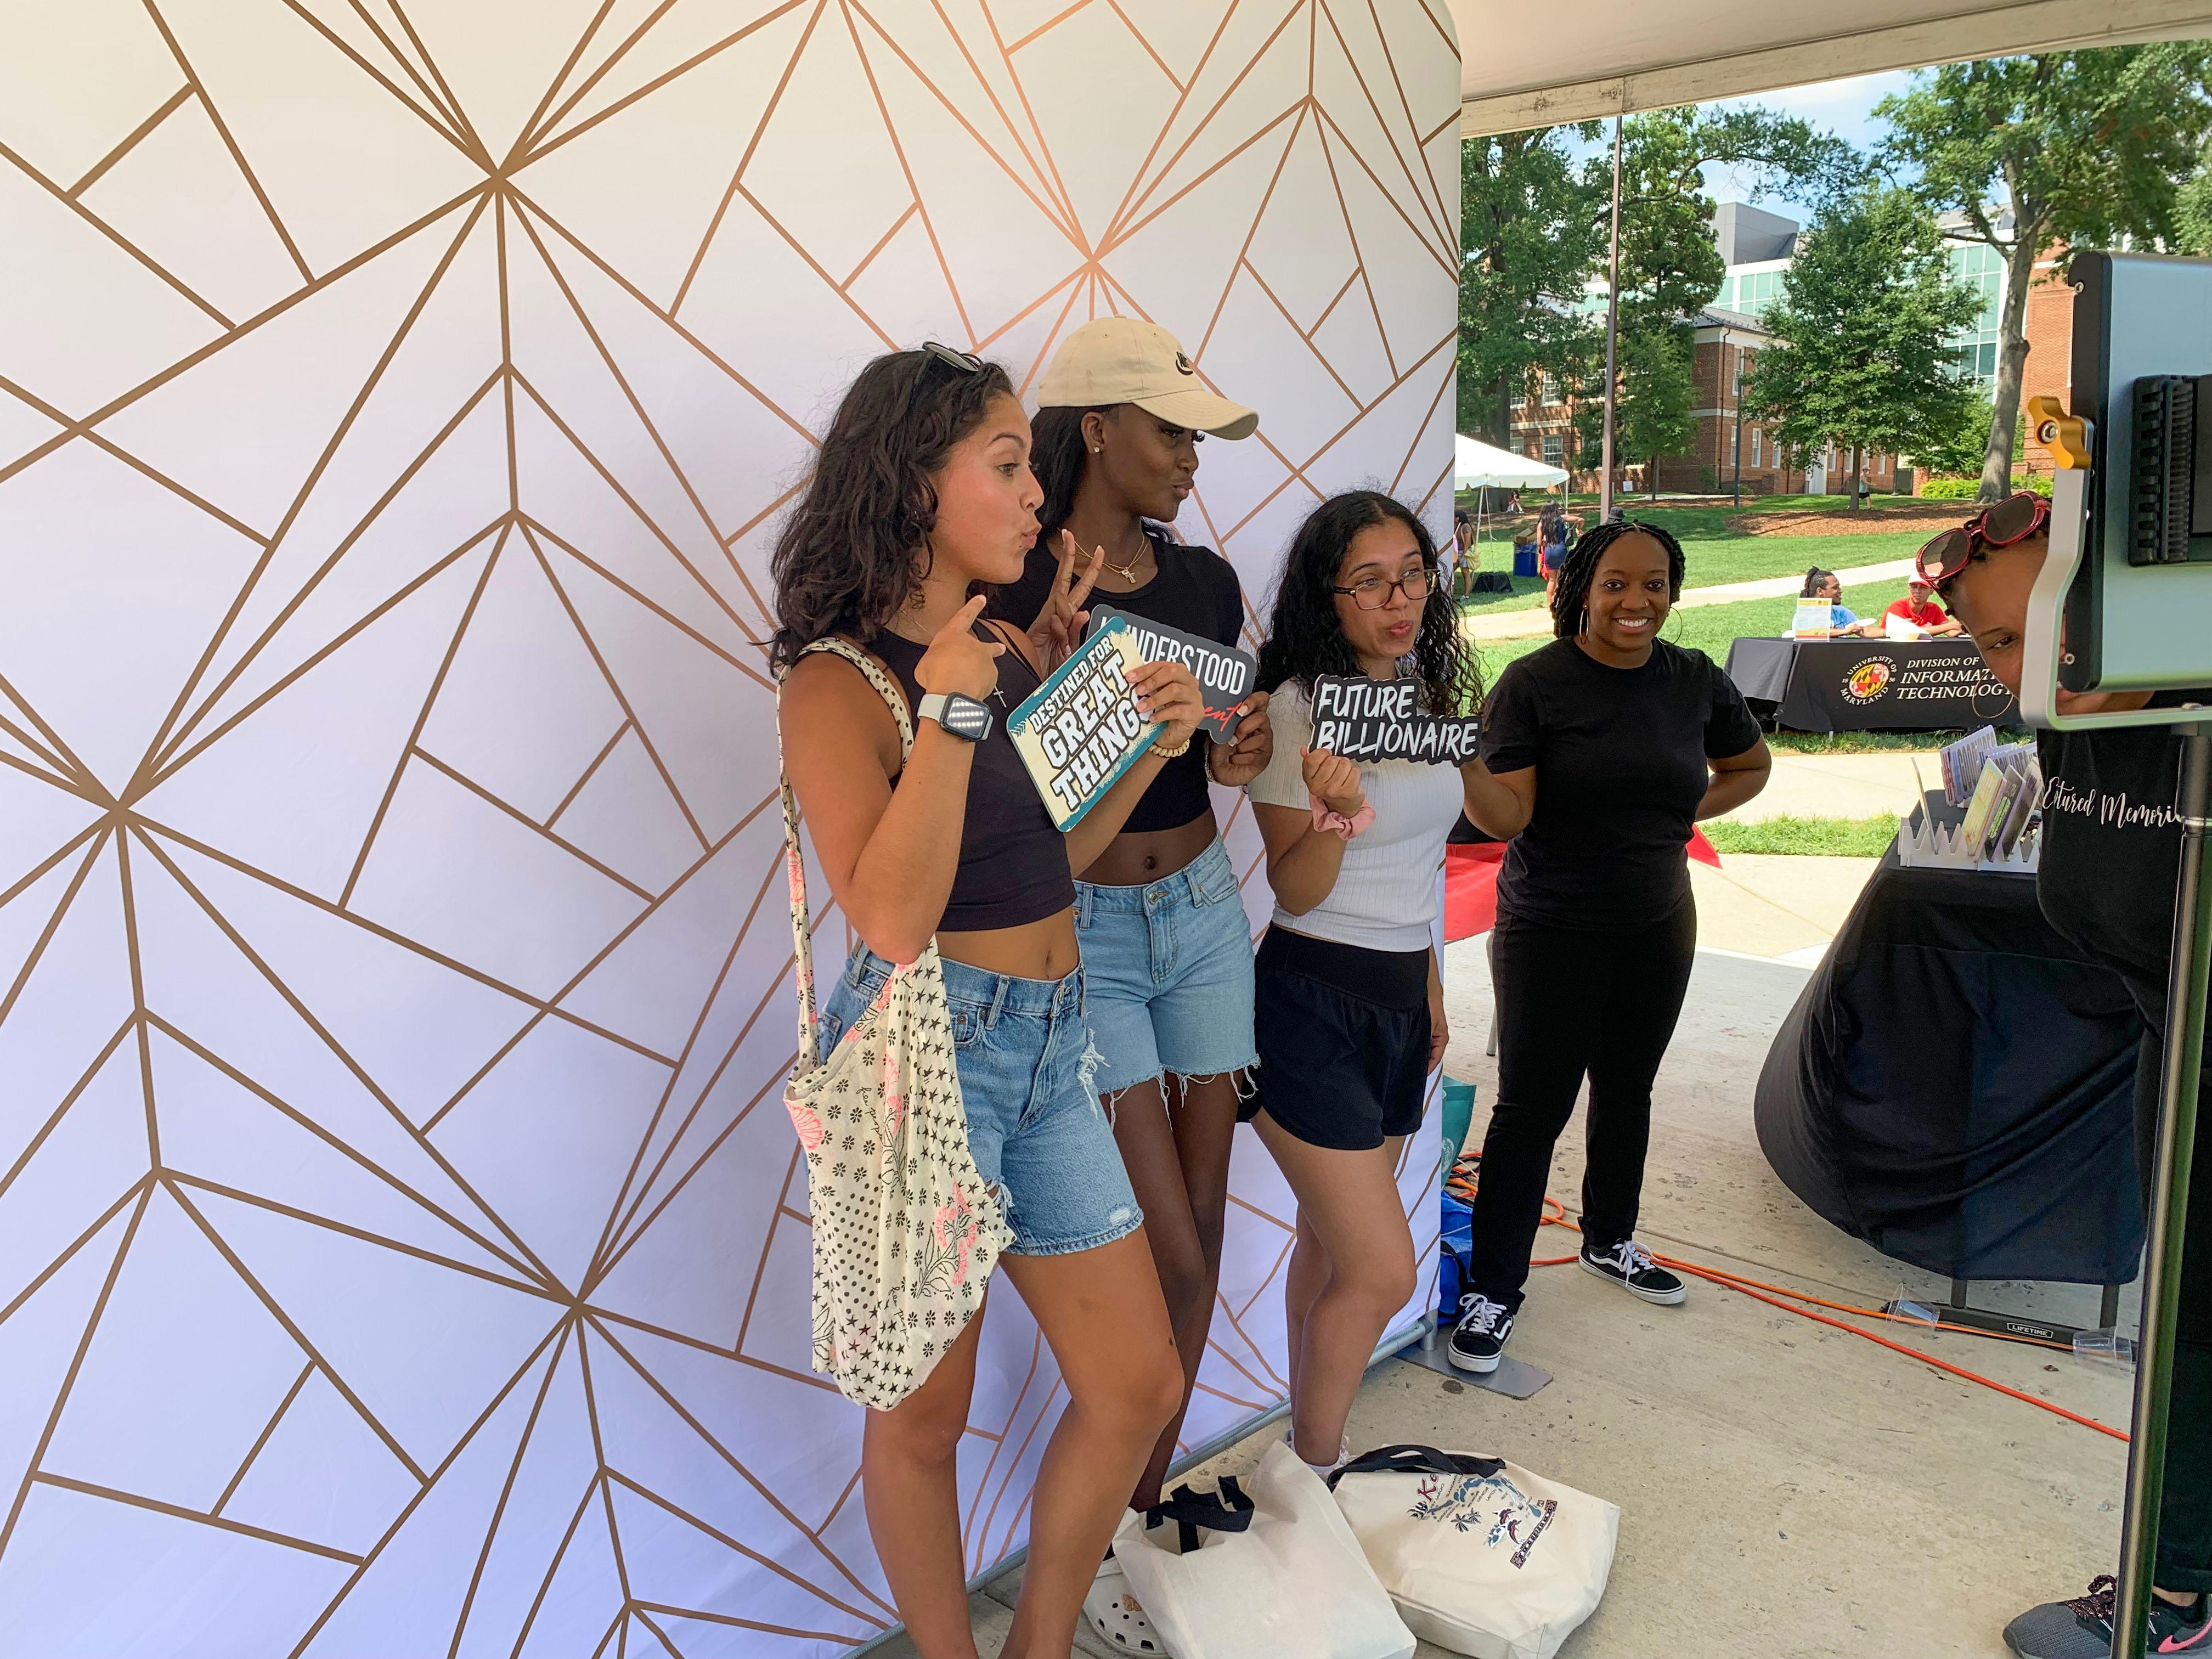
column 1058, row 628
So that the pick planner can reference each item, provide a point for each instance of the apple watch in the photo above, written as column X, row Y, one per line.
column 963, row 717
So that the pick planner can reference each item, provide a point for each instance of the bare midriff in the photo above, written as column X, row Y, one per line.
column 1139, row 857
column 1044, row 949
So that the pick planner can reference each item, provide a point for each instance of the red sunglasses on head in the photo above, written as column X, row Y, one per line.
column 2012, row 519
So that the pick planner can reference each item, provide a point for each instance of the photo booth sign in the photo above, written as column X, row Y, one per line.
column 1225, row 675
column 1365, row 719
column 1080, row 729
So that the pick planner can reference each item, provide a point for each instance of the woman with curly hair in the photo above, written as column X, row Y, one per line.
column 1606, row 747
column 921, row 495
column 1350, row 1010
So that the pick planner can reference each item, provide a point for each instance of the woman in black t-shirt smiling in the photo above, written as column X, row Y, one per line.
column 1166, row 949
column 1613, row 743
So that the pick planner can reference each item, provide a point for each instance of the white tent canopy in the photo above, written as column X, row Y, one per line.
column 1480, row 466
column 1629, row 55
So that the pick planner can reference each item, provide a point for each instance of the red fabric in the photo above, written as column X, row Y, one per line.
column 1470, row 882
column 1928, row 615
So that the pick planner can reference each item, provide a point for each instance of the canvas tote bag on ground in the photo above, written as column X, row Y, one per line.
column 905, row 1231
column 1287, row 1581
column 1480, row 1556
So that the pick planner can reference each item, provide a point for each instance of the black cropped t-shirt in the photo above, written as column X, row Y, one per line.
column 1013, row 860
column 1195, row 589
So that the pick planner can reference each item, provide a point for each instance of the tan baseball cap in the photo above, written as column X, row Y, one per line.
column 1121, row 360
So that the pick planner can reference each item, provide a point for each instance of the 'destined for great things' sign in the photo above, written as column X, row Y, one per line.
column 1080, row 729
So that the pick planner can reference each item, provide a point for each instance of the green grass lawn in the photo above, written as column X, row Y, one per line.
column 1710, row 561
column 1859, row 838
column 1711, row 628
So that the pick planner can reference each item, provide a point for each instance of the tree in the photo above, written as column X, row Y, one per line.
column 2072, row 148
column 1528, row 239
column 1651, row 412
column 1959, row 453
column 1862, row 356
column 1670, row 266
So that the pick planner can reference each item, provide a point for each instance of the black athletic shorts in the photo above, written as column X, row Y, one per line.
column 1343, row 1034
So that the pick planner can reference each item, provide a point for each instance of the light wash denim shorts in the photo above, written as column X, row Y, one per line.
column 1035, row 1126
column 1169, row 965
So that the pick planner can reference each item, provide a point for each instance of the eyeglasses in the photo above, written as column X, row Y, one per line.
column 1373, row 593
column 2012, row 519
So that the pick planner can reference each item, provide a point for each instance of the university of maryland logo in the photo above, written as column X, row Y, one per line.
column 1467, row 1501
column 1869, row 680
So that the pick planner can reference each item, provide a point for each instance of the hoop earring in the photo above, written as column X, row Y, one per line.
column 1585, row 627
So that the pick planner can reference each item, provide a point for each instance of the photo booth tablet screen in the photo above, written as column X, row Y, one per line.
column 1225, row 675
column 1080, row 729
column 1362, row 720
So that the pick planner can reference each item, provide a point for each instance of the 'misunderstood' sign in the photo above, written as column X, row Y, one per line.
column 1080, row 729
column 1363, row 719
column 1225, row 676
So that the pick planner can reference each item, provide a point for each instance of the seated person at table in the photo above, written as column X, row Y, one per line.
column 1919, row 609
column 1822, row 585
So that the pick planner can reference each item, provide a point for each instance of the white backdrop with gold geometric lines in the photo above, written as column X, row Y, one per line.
column 403, row 1248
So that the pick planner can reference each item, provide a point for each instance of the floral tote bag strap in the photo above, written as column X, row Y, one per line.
column 802, row 927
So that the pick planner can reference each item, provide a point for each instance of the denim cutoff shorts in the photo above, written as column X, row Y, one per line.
column 1035, row 1126
column 1169, row 966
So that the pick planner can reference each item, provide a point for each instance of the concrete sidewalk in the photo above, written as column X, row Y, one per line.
column 1524, row 624
column 1842, row 786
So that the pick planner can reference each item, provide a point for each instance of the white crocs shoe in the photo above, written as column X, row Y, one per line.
column 1118, row 1616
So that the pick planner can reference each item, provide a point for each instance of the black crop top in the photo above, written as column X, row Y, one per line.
column 1013, row 862
column 1195, row 589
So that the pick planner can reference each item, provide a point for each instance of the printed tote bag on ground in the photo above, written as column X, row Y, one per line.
column 905, row 1231
column 1480, row 1556
column 1286, row 1580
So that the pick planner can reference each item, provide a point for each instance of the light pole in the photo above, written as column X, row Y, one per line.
column 1739, row 426
column 1612, row 338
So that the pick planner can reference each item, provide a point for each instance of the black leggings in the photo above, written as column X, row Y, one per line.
column 1571, row 1003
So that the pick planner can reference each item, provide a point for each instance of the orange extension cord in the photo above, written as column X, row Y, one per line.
column 1461, row 1185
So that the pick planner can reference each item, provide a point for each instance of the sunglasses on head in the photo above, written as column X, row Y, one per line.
column 2012, row 519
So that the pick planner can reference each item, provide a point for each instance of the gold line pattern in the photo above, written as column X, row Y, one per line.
column 393, row 995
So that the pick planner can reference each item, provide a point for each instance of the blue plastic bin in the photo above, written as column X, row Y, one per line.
column 1524, row 559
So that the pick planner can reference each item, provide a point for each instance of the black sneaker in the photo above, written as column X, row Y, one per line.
column 1479, row 1340
column 2082, row 1628
column 1630, row 1265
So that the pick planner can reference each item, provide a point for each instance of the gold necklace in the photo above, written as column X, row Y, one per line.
column 1127, row 572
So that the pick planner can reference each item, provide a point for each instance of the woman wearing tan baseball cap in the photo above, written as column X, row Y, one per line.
column 1167, row 952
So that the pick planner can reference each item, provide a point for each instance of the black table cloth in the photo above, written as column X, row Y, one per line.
column 1859, row 684
column 1955, row 1086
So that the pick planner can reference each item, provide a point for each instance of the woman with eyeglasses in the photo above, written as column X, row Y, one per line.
column 921, row 495
column 1606, row 747
column 1167, row 951
column 2107, row 880
column 1351, row 1018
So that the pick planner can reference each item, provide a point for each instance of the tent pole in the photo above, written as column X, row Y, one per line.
column 1612, row 336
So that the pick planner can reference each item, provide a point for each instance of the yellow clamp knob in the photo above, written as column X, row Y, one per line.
column 2066, row 436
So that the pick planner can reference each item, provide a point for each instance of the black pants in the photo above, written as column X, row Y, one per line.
column 1572, row 1004
column 2184, row 1522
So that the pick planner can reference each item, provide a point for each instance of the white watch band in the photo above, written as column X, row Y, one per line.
column 932, row 707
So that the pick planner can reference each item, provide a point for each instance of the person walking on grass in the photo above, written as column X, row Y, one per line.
column 921, row 492
column 1604, row 748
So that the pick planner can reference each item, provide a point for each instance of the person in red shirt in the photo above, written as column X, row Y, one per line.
column 1919, row 608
